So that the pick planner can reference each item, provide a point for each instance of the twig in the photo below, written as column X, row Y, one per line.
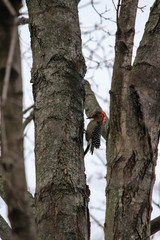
column 114, row 5
column 97, row 208
column 158, row 205
column 101, row 160
column 100, row 14
column 10, row 8
column 27, row 109
column 11, row 51
column 117, row 13
column 28, row 120
column 85, row 5
column 117, row 10
column 9, row 64
column 23, row 21
column 141, row 8
column 96, row 221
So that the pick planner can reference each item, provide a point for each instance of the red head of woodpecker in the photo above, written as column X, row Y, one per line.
column 93, row 132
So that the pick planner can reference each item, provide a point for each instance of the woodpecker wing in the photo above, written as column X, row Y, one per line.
column 96, row 137
column 90, row 129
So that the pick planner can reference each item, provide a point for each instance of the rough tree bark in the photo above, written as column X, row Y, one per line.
column 57, row 74
column 12, row 160
column 134, row 127
column 5, row 230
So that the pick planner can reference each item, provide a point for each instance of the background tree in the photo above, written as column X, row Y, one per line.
column 12, row 161
column 134, row 126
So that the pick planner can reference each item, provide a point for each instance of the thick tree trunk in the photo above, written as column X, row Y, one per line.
column 57, row 73
column 11, row 129
column 134, row 128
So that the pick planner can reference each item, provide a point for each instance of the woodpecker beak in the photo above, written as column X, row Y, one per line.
column 90, row 117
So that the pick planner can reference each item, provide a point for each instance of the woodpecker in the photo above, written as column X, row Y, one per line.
column 93, row 132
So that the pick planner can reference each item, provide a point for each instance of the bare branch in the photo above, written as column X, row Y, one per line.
column 23, row 21
column 156, row 204
column 96, row 221
column 87, row 4
column 117, row 9
column 10, row 8
column 101, row 159
column 28, row 119
column 117, row 12
column 27, row 109
column 114, row 5
column 155, row 225
column 142, row 8
column 9, row 64
column 100, row 14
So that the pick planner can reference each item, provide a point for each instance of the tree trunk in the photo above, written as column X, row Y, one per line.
column 134, row 128
column 57, row 73
column 11, row 128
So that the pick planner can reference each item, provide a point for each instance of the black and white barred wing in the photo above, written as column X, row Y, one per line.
column 96, row 137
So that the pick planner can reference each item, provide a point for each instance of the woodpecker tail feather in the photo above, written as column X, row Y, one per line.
column 92, row 149
column 87, row 149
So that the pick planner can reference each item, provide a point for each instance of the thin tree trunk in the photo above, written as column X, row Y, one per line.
column 57, row 74
column 11, row 126
column 134, row 128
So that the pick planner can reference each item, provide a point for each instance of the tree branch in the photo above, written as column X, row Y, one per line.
column 156, row 204
column 28, row 120
column 5, row 230
column 23, row 21
column 96, row 221
column 155, row 225
column 11, row 51
column 10, row 8
column 27, row 109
